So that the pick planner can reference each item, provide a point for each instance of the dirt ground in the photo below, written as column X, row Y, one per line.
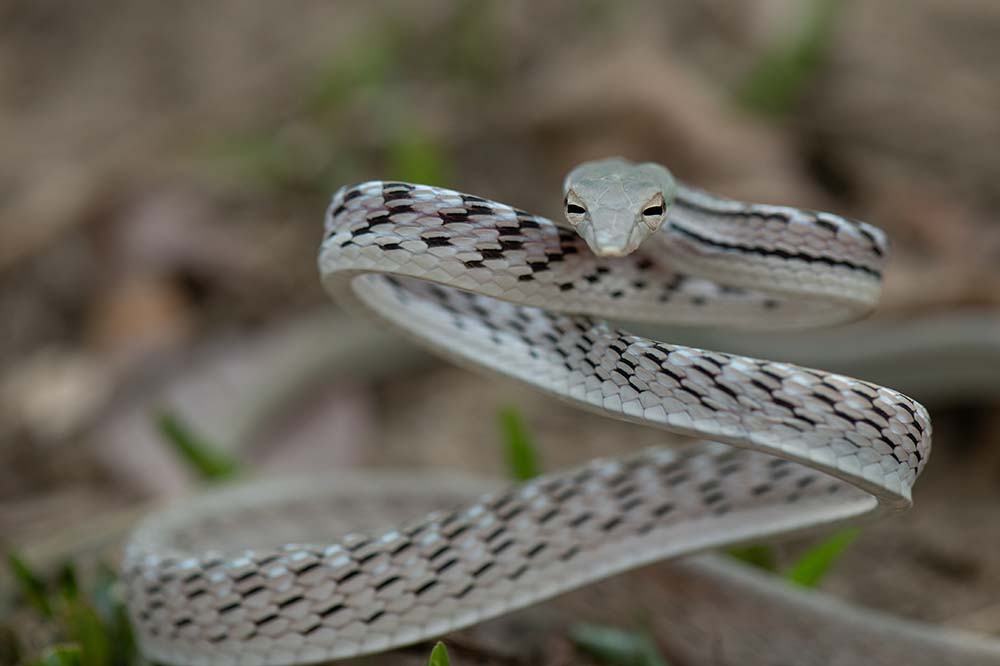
column 166, row 166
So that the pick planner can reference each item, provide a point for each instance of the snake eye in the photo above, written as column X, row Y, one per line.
column 652, row 214
column 575, row 213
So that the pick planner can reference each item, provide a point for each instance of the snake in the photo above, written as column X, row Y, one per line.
column 356, row 562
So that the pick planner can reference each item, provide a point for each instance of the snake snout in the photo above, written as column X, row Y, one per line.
column 613, row 237
column 603, row 244
column 609, row 250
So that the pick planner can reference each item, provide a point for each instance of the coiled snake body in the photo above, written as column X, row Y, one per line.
column 494, row 287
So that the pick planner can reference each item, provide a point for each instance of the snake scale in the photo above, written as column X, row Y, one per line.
column 279, row 573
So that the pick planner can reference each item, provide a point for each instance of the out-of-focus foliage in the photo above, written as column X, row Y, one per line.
column 810, row 567
column 815, row 563
column 780, row 77
column 61, row 655
column 208, row 460
column 307, row 150
column 617, row 647
column 31, row 586
column 519, row 447
column 89, row 626
column 757, row 555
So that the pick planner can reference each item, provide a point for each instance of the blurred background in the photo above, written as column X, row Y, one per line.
column 166, row 166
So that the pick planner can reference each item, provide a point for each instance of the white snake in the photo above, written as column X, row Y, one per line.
column 275, row 573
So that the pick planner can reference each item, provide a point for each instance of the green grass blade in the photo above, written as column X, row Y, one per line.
column 67, row 582
column 617, row 647
column 206, row 459
column 519, row 448
column 817, row 561
column 106, row 599
column 439, row 656
column 87, row 631
column 31, row 584
column 759, row 556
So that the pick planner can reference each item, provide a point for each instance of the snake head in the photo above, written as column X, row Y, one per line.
column 615, row 205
